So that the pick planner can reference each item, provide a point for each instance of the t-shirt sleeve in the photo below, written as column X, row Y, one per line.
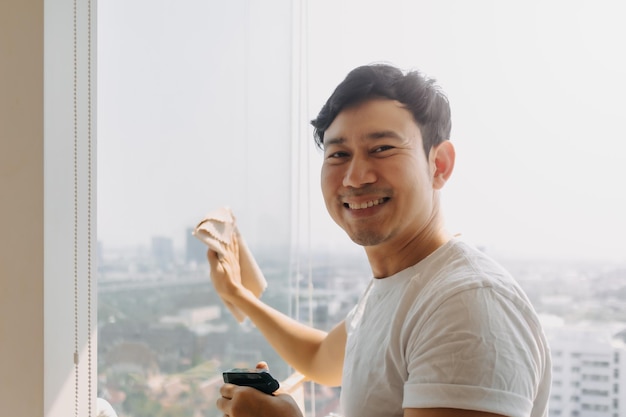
column 477, row 350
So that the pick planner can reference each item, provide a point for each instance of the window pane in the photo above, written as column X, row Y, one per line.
column 203, row 104
column 191, row 111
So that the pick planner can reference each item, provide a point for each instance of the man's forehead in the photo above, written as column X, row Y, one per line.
column 372, row 119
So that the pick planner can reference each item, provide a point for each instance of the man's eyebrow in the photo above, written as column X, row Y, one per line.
column 380, row 134
column 383, row 134
column 333, row 141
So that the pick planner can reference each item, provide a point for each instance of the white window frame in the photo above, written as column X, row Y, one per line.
column 59, row 198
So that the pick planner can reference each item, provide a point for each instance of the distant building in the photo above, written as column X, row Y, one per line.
column 195, row 251
column 589, row 371
column 162, row 250
column 200, row 320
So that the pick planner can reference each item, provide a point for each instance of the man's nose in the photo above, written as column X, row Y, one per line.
column 360, row 172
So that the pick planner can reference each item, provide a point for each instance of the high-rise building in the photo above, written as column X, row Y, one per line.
column 163, row 252
column 589, row 371
column 195, row 251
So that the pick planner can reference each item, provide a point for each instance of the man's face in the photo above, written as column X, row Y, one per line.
column 376, row 179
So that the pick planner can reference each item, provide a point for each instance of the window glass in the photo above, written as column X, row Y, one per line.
column 205, row 104
column 193, row 115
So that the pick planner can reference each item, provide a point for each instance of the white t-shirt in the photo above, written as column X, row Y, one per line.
column 453, row 331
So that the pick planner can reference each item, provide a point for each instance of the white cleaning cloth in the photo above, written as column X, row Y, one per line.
column 217, row 230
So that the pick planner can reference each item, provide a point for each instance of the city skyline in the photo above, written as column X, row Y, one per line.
column 172, row 331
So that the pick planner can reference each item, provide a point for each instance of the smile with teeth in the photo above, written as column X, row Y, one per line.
column 364, row 205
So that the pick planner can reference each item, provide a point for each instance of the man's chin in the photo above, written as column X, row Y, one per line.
column 366, row 238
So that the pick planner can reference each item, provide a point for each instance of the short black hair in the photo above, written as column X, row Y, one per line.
column 419, row 94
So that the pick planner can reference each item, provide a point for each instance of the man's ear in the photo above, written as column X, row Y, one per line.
column 442, row 163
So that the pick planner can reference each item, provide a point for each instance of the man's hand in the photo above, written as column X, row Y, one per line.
column 239, row 401
column 225, row 270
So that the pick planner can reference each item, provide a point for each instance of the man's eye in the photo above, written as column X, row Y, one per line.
column 339, row 154
column 382, row 148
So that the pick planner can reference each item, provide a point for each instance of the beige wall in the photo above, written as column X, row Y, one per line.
column 21, row 208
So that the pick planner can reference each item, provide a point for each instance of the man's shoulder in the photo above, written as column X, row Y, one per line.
column 459, row 267
column 459, row 258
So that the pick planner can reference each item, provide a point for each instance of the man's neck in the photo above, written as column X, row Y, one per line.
column 390, row 258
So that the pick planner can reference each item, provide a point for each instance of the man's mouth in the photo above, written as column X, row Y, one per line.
column 365, row 204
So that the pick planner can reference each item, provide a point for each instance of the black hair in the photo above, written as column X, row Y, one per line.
column 419, row 95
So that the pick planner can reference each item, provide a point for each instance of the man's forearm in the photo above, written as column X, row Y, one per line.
column 301, row 346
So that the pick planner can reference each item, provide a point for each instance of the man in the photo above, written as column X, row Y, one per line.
column 441, row 330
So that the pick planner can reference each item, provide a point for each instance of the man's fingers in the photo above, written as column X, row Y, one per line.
column 262, row 365
column 226, row 391
column 211, row 255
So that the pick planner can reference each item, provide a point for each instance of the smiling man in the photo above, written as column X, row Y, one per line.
column 441, row 330
column 380, row 187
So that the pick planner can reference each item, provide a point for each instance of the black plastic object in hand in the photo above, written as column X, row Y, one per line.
column 255, row 378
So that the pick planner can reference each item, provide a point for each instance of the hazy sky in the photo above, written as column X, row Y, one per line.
column 537, row 90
